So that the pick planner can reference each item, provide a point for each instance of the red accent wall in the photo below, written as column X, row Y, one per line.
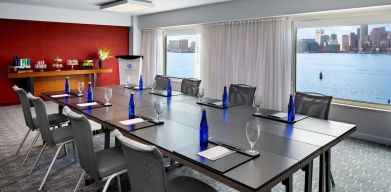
column 45, row 40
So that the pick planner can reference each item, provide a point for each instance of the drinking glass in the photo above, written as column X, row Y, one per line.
column 253, row 130
column 158, row 108
column 257, row 103
column 80, row 87
column 127, row 82
column 108, row 94
column 153, row 86
column 200, row 93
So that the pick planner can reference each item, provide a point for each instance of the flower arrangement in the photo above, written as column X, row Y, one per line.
column 103, row 54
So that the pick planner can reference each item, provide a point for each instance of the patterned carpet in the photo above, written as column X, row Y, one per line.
column 356, row 165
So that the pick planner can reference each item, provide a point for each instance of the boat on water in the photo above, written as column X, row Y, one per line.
column 321, row 75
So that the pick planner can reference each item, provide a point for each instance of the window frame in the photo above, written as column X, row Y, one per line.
column 379, row 15
column 186, row 30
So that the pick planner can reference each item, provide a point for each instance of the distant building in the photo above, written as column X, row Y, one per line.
column 363, row 38
column 307, row 46
column 324, row 41
column 318, row 35
column 333, row 48
column 183, row 45
column 192, row 45
column 173, row 45
column 344, row 43
column 377, row 35
column 353, row 42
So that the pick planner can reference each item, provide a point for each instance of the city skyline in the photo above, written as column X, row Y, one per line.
column 309, row 33
column 345, row 39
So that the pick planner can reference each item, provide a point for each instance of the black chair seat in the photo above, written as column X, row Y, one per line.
column 54, row 119
column 62, row 134
column 110, row 161
column 187, row 184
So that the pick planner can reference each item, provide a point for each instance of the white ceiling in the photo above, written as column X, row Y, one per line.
column 93, row 5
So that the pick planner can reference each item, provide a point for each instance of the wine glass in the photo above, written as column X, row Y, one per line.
column 253, row 130
column 80, row 87
column 257, row 103
column 108, row 94
column 158, row 108
column 127, row 81
column 200, row 93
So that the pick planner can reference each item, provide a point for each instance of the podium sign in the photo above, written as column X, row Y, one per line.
column 129, row 69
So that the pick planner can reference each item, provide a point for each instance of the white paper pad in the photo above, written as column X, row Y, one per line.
column 279, row 115
column 60, row 95
column 136, row 87
column 215, row 153
column 218, row 103
column 132, row 121
column 87, row 104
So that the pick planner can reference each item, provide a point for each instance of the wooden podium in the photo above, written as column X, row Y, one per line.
column 46, row 81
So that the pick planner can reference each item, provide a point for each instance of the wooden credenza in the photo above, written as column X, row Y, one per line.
column 45, row 81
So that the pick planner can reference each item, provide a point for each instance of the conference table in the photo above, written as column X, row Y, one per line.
column 284, row 148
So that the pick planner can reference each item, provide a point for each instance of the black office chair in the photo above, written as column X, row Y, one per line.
column 102, row 165
column 190, row 86
column 313, row 105
column 146, row 171
column 241, row 94
column 161, row 82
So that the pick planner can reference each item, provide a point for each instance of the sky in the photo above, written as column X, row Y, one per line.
column 309, row 33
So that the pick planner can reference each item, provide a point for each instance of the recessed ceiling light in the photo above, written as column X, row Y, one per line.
column 126, row 6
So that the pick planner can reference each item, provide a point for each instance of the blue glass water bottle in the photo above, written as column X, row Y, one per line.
column 140, row 82
column 169, row 92
column 203, row 129
column 291, row 109
column 225, row 97
column 131, row 111
column 67, row 89
column 90, row 93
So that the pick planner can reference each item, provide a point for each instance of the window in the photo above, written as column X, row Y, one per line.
column 350, row 62
column 180, row 56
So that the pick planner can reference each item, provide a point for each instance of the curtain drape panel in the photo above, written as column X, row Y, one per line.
column 253, row 52
column 152, row 50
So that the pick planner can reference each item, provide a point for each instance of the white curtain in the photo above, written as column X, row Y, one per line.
column 253, row 52
column 152, row 50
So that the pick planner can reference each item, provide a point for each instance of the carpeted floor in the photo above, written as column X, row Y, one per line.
column 356, row 165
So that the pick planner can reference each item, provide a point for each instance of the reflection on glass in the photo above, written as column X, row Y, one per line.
column 200, row 93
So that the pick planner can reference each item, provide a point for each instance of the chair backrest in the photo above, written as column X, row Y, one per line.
column 145, row 165
column 313, row 104
column 241, row 94
column 161, row 82
column 190, row 86
column 42, row 119
column 25, row 103
column 81, row 128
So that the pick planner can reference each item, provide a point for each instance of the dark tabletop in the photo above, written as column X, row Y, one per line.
column 284, row 148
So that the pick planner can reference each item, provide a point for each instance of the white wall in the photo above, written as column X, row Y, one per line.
column 38, row 13
column 372, row 125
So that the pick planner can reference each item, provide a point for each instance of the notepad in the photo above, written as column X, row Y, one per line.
column 87, row 104
column 218, row 103
column 280, row 115
column 60, row 95
column 215, row 153
column 132, row 121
